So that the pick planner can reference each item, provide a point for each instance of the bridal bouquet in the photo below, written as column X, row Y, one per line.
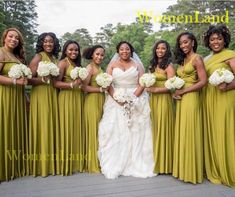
column 128, row 98
column 104, row 80
column 174, row 83
column 147, row 80
column 221, row 75
column 19, row 70
column 47, row 68
column 79, row 72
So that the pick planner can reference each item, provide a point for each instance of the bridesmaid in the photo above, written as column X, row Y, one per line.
column 93, row 107
column 161, row 104
column 70, row 111
column 43, row 116
column 219, row 110
column 13, row 121
column 188, row 144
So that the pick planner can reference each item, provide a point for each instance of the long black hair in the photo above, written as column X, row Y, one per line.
column 39, row 45
column 179, row 54
column 166, row 60
column 77, row 61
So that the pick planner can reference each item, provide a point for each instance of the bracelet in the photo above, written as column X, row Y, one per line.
column 71, row 85
column 101, row 89
column 14, row 81
column 43, row 80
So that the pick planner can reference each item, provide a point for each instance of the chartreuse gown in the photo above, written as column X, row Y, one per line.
column 188, row 145
column 93, row 110
column 162, row 117
column 44, row 129
column 219, row 125
column 13, row 128
column 71, row 127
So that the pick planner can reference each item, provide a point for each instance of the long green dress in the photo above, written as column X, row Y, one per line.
column 71, row 127
column 13, row 128
column 188, row 145
column 93, row 110
column 219, row 125
column 44, row 129
column 162, row 116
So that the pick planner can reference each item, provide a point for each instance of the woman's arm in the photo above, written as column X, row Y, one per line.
column 33, row 66
column 230, row 86
column 170, row 71
column 202, row 78
column 7, row 80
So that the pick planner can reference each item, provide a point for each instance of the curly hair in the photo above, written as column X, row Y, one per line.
column 77, row 61
column 41, row 38
column 179, row 54
column 125, row 42
column 166, row 60
column 219, row 30
column 19, row 51
column 88, row 52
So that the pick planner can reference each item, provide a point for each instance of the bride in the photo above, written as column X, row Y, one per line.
column 125, row 138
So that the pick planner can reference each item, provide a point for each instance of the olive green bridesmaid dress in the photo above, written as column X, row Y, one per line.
column 71, row 127
column 219, row 125
column 93, row 110
column 13, row 128
column 188, row 145
column 44, row 128
column 162, row 116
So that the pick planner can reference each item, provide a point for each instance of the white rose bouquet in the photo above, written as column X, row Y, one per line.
column 147, row 80
column 47, row 68
column 221, row 75
column 122, row 96
column 174, row 83
column 104, row 80
column 19, row 70
column 79, row 72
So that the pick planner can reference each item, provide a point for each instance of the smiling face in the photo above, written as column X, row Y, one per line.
column 161, row 50
column 11, row 40
column 72, row 51
column 124, row 51
column 98, row 56
column 216, row 42
column 186, row 44
column 48, row 44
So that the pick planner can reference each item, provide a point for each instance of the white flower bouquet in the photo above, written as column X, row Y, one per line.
column 147, row 80
column 47, row 68
column 174, row 83
column 104, row 80
column 19, row 70
column 128, row 98
column 221, row 75
column 79, row 72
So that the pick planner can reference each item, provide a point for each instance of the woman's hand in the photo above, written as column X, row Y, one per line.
column 22, row 81
column 46, row 79
column 223, row 87
column 77, row 83
column 151, row 90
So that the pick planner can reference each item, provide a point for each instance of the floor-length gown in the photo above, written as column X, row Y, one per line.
column 44, row 129
column 188, row 142
column 219, row 125
column 93, row 110
column 13, row 128
column 162, row 116
column 126, row 148
column 70, row 102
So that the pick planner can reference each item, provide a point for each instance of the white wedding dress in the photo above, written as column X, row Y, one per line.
column 126, row 150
